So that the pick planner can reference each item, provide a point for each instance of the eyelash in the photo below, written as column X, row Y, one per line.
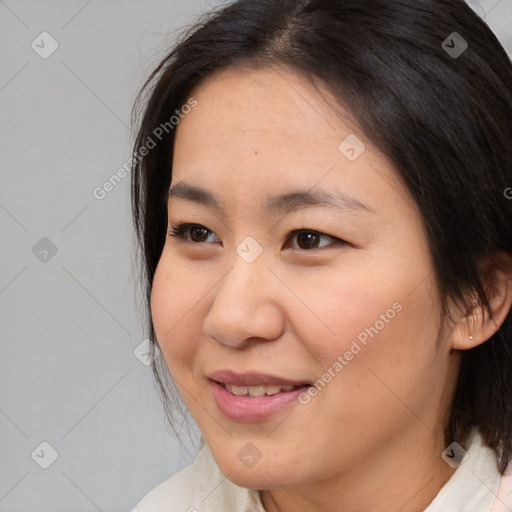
column 180, row 231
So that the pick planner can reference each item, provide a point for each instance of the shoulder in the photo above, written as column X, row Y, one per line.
column 200, row 486
column 503, row 502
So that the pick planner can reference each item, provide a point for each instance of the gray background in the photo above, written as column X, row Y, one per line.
column 70, row 320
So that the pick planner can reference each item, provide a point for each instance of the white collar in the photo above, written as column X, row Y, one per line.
column 474, row 485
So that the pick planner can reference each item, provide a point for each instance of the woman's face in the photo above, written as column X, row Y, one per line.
column 243, row 306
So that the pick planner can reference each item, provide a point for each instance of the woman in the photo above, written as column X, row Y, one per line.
column 319, row 189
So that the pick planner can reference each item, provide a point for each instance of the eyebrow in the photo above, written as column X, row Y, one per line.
column 280, row 204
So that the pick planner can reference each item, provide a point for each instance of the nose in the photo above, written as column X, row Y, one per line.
column 245, row 306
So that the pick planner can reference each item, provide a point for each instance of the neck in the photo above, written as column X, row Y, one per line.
column 405, row 474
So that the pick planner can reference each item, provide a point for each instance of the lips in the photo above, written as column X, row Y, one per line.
column 253, row 397
column 250, row 379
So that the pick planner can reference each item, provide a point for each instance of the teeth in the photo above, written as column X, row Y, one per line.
column 238, row 390
column 256, row 391
column 273, row 390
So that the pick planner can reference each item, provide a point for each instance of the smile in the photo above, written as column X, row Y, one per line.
column 256, row 391
column 253, row 397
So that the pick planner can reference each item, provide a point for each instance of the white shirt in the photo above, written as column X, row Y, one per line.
column 475, row 486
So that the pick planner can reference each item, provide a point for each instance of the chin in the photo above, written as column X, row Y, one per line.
column 259, row 480
column 264, row 474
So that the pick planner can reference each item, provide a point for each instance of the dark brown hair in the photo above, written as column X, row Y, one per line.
column 444, row 120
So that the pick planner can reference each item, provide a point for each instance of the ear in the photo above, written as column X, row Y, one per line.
column 476, row 325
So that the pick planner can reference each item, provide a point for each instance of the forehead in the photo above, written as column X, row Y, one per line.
column 262, row 131
column 268, row 106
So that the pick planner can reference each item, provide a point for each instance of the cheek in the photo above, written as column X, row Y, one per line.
column 338, row 306
column 175, row 302
column 367, row 325
column 163, row 301
column 386, row 361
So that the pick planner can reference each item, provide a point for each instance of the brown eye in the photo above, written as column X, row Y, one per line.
column 194, row 233
column 198, row 234
column 308, row 240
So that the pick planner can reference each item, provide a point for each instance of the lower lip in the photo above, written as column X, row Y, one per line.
column 252, row 409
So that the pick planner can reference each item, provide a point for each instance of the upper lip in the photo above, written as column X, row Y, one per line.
column 252, row 379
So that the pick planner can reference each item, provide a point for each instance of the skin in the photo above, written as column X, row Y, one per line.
column 372, row 438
